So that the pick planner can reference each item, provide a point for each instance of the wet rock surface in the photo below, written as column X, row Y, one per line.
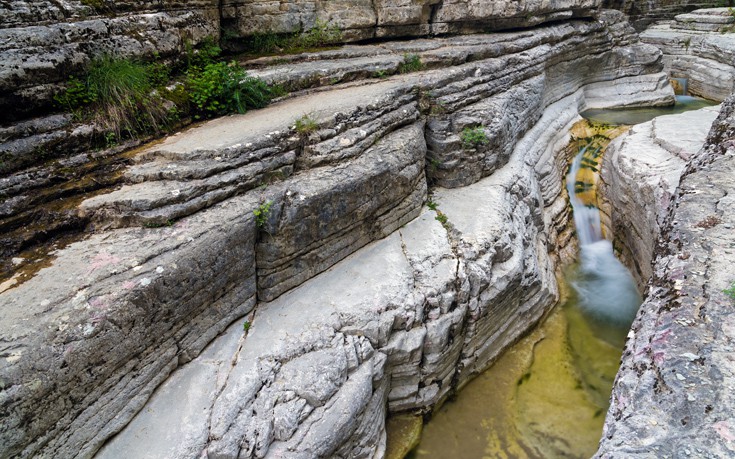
column 673, row 393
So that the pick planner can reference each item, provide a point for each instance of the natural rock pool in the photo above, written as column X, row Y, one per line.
column 546, row 397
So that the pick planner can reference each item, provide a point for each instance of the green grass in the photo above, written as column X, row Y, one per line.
column 119, row 92
column 411, row 63
column 473, row 137
column 730, row 291
column 306, row 125
column 323, row 34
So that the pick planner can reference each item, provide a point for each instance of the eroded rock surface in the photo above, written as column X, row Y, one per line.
column 643, row 14
column 673, row 394
column 640, row 176
column 410, row 313
column 695, row 47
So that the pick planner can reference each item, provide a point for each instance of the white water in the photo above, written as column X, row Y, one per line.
column 605, row 287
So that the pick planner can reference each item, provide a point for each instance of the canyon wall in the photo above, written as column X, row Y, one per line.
column 701, row 48
column 643, row 14
column 673, row 393
column 43, row 42
column 369, row 298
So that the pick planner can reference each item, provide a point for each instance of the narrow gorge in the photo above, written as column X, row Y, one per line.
column 277, row 283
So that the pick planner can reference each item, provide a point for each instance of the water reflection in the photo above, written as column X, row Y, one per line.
column 642, row 115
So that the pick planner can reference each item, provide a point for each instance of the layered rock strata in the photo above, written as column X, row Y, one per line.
column 643, row 14
column 673, row 394
column 405, row 319
column 639, row 178
column 42, row 42
column 706, row 58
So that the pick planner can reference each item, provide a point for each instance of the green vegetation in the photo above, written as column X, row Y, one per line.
column 221, row 88
column 431, row 204
column 323, row 34
column 246, row 326
column 306, row 125
column 262, row 213
column 441, row 218
column 380, row 74
column 129, row 98
column 119, row 92
column 730, row 291
column 473, row 137
column 411, row 63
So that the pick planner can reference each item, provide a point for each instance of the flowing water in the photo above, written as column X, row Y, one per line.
column 547, row 396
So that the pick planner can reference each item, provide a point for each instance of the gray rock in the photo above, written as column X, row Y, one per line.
column 673, row 393
column 640, row 174
column 705, row 59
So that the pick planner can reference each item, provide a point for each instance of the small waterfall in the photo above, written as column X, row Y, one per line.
column 605, row 287
column 683, row 86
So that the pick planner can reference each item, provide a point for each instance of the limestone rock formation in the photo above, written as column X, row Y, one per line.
column 673, row 394
column 695, row 48
column 364, row 296
column 640, row 177
column 643, row 14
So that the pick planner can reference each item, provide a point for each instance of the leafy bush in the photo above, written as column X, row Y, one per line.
column 206, row 54
column 411, row 63
column 262, row 213
column 473, row 137
column 223, row 88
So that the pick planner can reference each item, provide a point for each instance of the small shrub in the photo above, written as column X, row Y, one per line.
column 76, row 95
column 262, row 213
column 441, row 218
column 306, row 125
column 411, row 63
column 224, row 88
column 473, row 137
column 207, row 53
column 431, row 205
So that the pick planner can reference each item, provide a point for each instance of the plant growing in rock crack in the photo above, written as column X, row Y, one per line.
column 262, row 213
column 730, row 291
column 306, row 125
column 411, row 63
column 472, row 137
column 246, row 326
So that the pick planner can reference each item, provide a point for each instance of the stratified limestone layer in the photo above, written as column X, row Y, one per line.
column 87, row 340
column 673, row 395
column 706, row 59
column 642, row 14
column 412, row 320
column 640, row 175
